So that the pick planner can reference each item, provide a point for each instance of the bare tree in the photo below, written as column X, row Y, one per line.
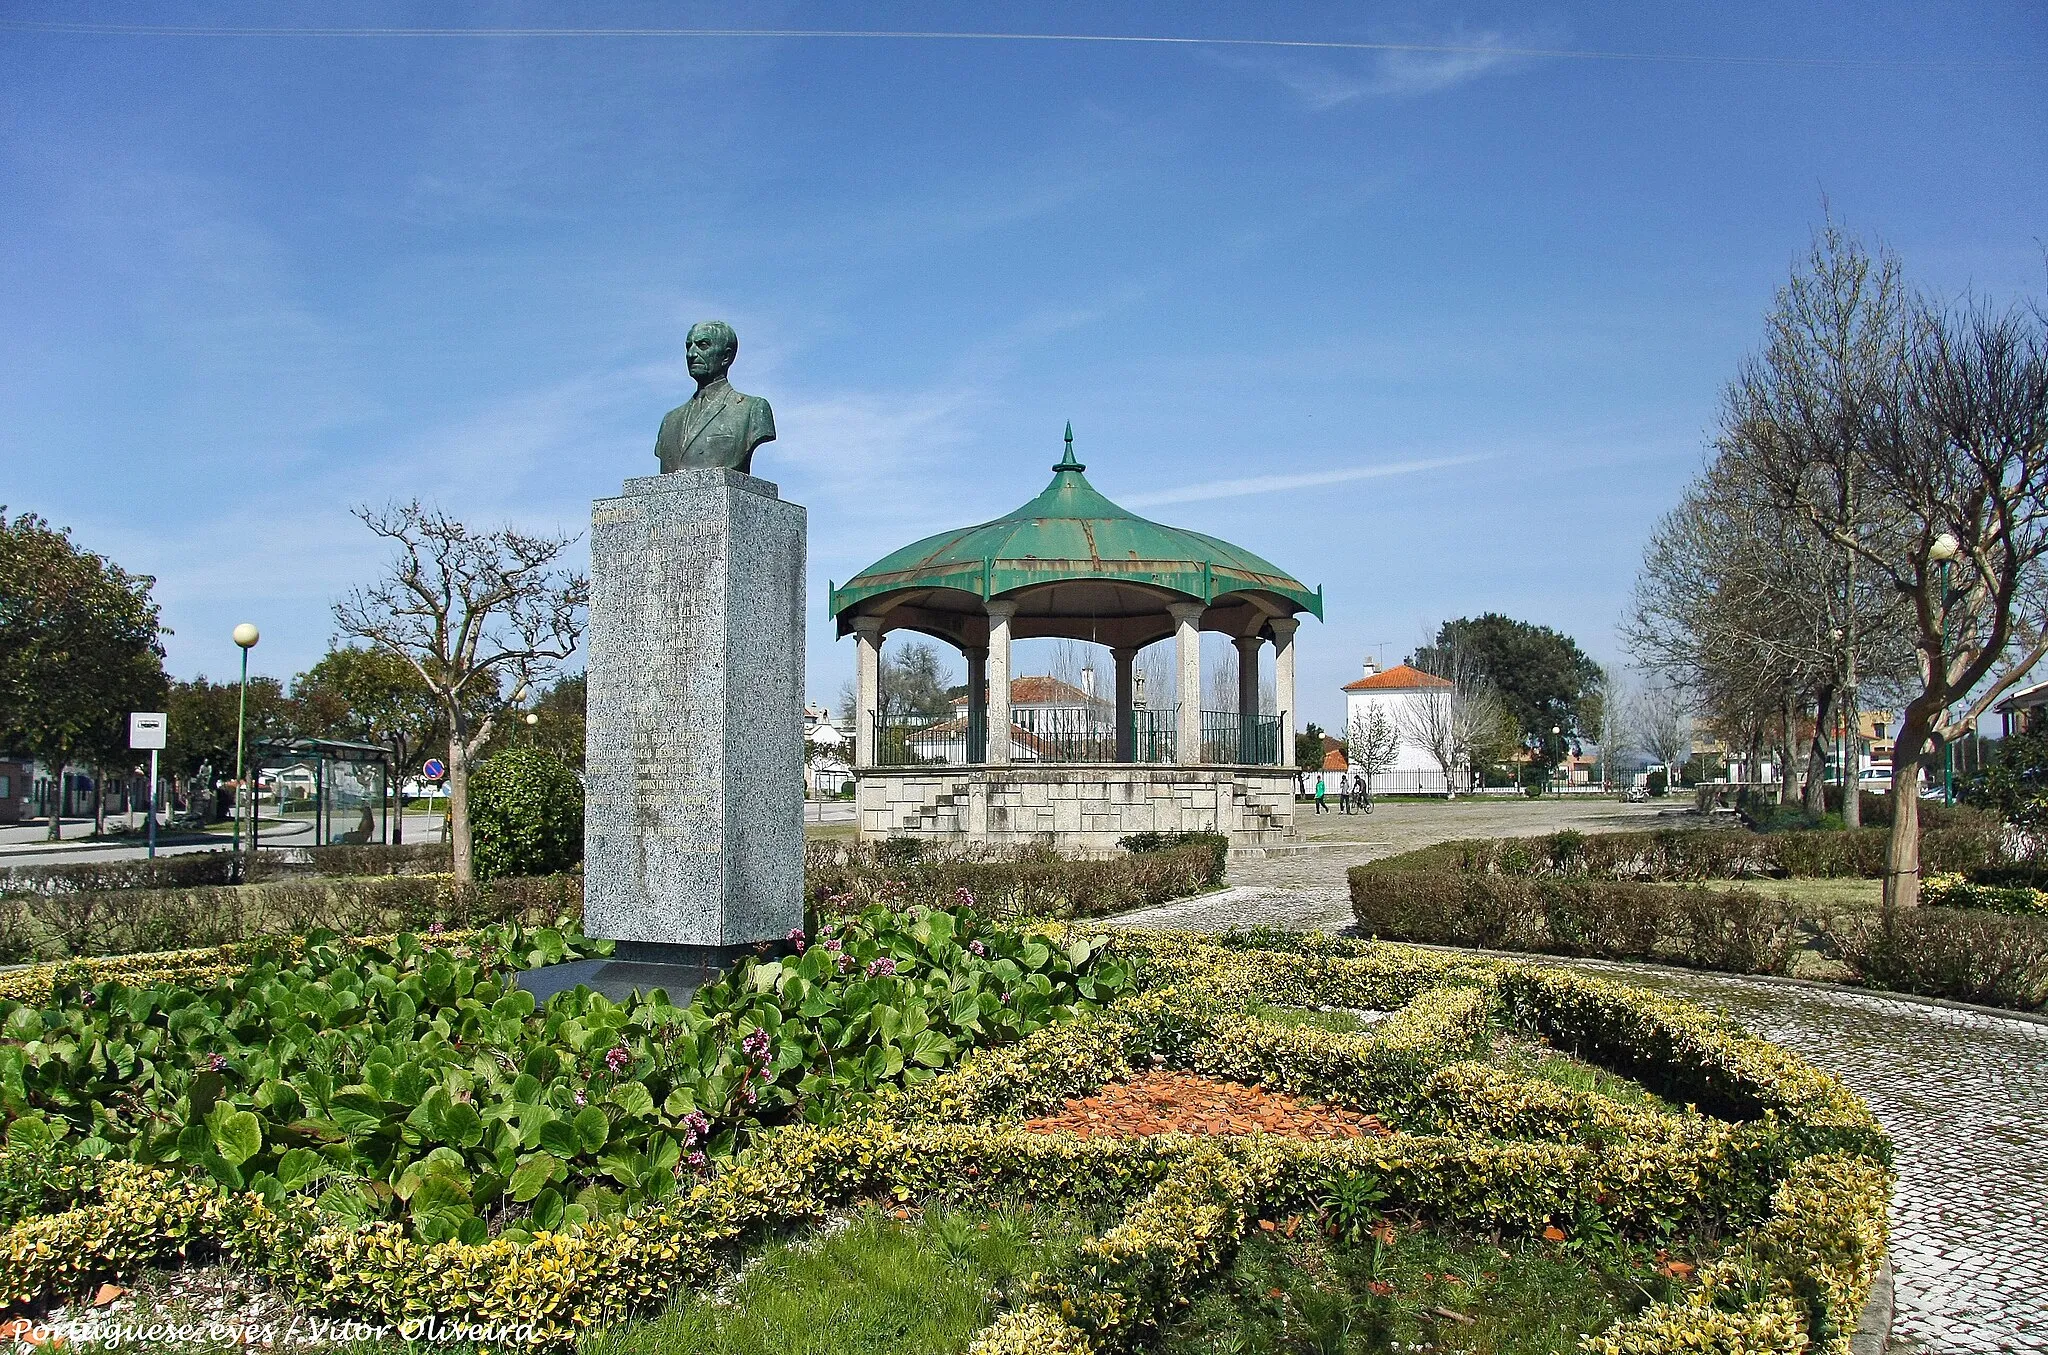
column 1953, row 460
column 1373, row 744
column 1616, row 731
column 481, row 617
column 1458, row 723
column 1663, row 724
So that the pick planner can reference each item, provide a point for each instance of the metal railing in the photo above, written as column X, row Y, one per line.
column 1234, row 737
column 1068, row 735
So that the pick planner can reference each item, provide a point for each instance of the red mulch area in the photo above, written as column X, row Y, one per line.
column 1184, row 1103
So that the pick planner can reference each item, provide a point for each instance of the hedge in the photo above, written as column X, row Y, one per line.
column 189, row 870
column 1029, row 882
column 1798, row 1184
column 1675, row 855
column 1965, row 956
column 121, row 921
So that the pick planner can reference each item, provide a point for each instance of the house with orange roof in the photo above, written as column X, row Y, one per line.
column 1403, row 692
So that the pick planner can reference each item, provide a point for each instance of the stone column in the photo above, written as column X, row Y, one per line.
column 1283, row 684
column 693, row 817
column 1126, row 731
column 999, row 614
column 1187, row 632
column 1247, row 697
column 867, row 687
column 977, row 702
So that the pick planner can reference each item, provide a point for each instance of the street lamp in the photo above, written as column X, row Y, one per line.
column 246, row 637
column 1944, row 554
column 1556, row 751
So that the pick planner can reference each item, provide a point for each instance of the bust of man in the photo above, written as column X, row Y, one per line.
column 717, row 426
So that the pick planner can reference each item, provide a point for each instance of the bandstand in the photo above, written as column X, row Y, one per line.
column 1070, row 564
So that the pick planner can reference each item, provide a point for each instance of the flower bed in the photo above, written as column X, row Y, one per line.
column 1781, row 1163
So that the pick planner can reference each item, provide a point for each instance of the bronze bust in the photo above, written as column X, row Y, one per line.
column 718, row 426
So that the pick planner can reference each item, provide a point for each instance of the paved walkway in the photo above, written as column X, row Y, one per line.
column 1964, row 1095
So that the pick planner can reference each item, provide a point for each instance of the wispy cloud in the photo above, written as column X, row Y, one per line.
column 1394, row 74
column 1273, row 484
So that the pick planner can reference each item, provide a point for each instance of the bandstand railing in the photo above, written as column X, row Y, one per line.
column 1074, row 736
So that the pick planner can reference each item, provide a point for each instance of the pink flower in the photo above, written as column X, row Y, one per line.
column 617, row 1057
column 796, row 938
column 881, row 967
column 757, row 1045
column 832, row 944
column 963, row 897
column 582, row 1100
column 978, row 948
column 217, row 1062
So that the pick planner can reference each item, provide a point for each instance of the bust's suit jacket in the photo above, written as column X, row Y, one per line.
column 717, row 426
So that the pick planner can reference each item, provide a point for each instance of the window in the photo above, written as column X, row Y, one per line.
column 6, row 788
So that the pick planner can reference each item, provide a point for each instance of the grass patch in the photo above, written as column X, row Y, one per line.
column 1339, row 1020
column 1413, row 1289
column 878, row 1286
column 1526, row 1057
column 1844, row 892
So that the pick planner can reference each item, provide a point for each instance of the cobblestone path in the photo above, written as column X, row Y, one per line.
column 1963, row 1094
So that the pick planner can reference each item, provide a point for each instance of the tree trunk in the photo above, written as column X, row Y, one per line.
column 99, row 801
column 1788, row 738
column 458, row 809
column 1817, row 754
column 1902, row 855
column 398, row 765
column 56, row 832
column 1852, row 762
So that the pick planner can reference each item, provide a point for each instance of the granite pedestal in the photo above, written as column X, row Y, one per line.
column 693, row 838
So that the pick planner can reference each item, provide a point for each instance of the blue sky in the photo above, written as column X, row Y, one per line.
column 1441, row 331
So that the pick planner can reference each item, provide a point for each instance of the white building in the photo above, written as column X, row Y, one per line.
column 828, row 753
column 1403, row 693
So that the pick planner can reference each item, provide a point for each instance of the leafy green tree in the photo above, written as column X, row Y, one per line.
column 1541, row 676
column 526, row 814
column 1308, row 749
column 370, row 696
column 80, row 648
column 202, row 729
column 558, row 724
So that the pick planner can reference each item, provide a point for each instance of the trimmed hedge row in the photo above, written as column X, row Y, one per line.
column 1677, row 855
column 191, row 870
column 1801, row 1190
column 124, row 921
column 386, row 893
column 1966, row 956
column 841, row 877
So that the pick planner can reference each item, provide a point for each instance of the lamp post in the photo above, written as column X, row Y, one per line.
column 1556, row 752
column 246, row 637
column 1944, row 554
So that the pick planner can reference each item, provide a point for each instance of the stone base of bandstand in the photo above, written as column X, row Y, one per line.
column 1082, row 809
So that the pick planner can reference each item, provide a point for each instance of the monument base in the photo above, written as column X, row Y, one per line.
column 642, row 967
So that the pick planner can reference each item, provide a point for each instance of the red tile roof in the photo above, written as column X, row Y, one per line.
column 1399, row 678
column 1042, row 690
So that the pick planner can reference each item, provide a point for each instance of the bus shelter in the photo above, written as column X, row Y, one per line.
column 340, row 789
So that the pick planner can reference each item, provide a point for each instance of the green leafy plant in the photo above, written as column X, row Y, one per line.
column 1351, row 1205
column 413, row 1079
column 525, row 814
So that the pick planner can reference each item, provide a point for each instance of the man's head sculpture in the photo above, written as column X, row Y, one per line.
column 711, row 346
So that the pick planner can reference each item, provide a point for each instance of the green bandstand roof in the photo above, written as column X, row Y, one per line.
column 1077, row 566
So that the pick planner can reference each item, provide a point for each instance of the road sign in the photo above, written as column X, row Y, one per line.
column 147, row 729
column 434, row 771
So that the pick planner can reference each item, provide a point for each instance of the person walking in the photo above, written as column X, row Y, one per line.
column 1321, row 806
column 1344, row 793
